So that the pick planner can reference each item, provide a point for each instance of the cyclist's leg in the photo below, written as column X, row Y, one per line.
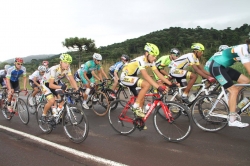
column 85, row 95
column 226, row 76
column 50, row 99
column 14, row 87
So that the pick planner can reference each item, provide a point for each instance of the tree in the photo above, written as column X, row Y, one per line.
column 80, row 44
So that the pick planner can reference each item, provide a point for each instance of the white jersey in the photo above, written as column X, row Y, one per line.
column 56, row 73
column 36, row 75
column 184, row 61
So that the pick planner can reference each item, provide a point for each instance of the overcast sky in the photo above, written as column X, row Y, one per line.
column 33, row 27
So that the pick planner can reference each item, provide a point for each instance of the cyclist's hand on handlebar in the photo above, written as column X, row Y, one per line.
column 64, row 87
column 211, row 79
column 92, row 84
column 162, row 89
column 173, row 85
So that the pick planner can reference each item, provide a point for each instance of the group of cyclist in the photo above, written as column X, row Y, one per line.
column 217, row 68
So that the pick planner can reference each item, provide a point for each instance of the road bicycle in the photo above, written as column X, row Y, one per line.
column 19, row 106
column 73, row 119
column 173, row 128
column 213, row 114
column 39, row 97
column 97, row 100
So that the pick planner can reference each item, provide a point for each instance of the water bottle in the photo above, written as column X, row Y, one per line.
column 243, row 102
column 54, row 110
column 147, row 108
column 1, row 96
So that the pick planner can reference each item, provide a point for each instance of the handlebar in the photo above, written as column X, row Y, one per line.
column 66, row 93
column 158, row 94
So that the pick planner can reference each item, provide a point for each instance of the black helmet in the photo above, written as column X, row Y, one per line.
column 125, row 57
column 175, row 51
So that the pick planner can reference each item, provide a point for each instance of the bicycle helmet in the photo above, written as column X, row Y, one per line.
column 223, row 47
column 45, row 62
column 18, row 59
column 82, row 66
column 197, row 46
column 66, row 58
column 175, row 51
column 152, row 49
column 97, row 56
column 41, row 68
column 125, row 57
column 6, row 67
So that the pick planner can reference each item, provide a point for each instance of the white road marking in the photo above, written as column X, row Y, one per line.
column 64, row 148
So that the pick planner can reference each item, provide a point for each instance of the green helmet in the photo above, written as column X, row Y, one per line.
column 152, row 49
column 66, row 58
column 197, row 46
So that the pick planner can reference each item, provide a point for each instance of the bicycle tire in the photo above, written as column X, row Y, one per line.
column 122, row 126
column 107, row 92
column 7, row 115
column 178, row 129
column 23, row 111
column 123, row 95
column 101, row 106
column 45, row 127
column 199, row 113
column 31, row 108
column 75, row 124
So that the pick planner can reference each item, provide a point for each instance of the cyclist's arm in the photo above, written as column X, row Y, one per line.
column 163, row 72
column 52, row 85
column 72, row 82
column 94, row 74
column 35, row 81
column 162, row 77
column 148, row 78
column 24, row 82
column 8, row 83
column 200, row 72
column 202, row 69
column 116, row 75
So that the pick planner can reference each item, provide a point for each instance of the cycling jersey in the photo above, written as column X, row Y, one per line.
column 56, row 73
column 36, row 75
column 184, row 61
column 90, row 66
column 134, row 67
column 2, row 76
column 13, row 74
column 163, row 62
column 233, row 54
column 116, row 67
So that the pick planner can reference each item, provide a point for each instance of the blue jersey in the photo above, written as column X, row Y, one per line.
column 116, row 67
column 13, row 74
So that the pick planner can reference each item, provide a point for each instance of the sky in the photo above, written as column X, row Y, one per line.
column 34, row 27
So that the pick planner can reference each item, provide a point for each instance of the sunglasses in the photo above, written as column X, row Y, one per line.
column 19, row 63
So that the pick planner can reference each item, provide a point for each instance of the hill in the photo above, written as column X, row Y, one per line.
column 29, row 58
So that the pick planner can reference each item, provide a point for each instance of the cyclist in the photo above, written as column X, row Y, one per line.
column 12, row 78
column 50, row 83
column 88, row 75
column 179, row 65
column 221, row 48
column 113, row 71
column 76, row 75
column 164, row 61
column 225, row 75
column 130, row 71
column 34, row 80
column 46, row 64
column 3, row 75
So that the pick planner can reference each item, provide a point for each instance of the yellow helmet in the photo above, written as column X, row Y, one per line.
column 66, row 58
column 152, row 49
column 197, row 46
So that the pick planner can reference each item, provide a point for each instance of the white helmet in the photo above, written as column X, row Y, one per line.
column 97, row 56
column 82, row 66
column 6, row 67
column 223, row 47
column 42, row 68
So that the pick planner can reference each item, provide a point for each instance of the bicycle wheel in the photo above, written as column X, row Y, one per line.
column 108, row 92
column 123, row 94
column 22, row 110
column 122, row 118
column 45, row 127
column 7, row 115
column 100, row 103
column 201, row 117
column 31, row 107
column 75, row 124
column 178, row 128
